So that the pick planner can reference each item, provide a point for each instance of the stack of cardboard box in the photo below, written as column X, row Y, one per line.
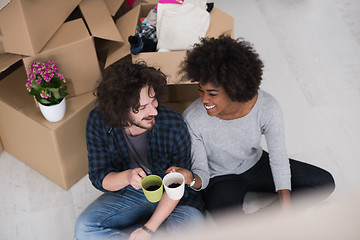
column 83, row 37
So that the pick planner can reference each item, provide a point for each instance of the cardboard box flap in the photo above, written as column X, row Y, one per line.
column 99, row 20
column 14, row 35
column 8, row 59
column 149, row 1
column 116, row 51
column 126, row 25
column 39, row 14
column 26, row 26
column 69, row 33
column 113, row 5
column 220, row 23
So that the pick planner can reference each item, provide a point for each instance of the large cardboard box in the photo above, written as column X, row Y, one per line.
column 56, row 150
column 168, row 62
column 26, row 26
column 72, row 48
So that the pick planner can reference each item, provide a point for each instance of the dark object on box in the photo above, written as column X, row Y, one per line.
column 141, row 44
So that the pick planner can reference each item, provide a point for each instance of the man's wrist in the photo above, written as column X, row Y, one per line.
column 147, row 230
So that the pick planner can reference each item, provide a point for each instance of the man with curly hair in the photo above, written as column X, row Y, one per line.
column 226, row 125
column 129, row 136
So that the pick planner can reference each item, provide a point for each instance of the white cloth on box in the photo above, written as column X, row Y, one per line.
column 179, row 27
column 199, row 3
column 161, row 8
column 163, row 50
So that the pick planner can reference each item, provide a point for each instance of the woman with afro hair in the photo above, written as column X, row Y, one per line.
column 226, row 125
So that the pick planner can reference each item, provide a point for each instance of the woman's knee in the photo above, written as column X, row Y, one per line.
column 327, row 182
column 307, row 176
column 317, row 182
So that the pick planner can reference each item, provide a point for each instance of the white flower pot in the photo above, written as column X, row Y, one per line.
column 53, row 113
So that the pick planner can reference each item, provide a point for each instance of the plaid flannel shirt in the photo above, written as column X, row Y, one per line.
column 168, row 145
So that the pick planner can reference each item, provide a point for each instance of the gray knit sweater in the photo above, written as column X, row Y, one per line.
column 221, row 147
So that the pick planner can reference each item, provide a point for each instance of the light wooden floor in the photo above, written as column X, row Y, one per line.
column 311, row 51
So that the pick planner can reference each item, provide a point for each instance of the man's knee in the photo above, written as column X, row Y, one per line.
column 82, row 226
column 184, row 217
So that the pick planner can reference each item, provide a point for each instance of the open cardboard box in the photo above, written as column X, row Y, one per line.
column 26, row 26
column 56, row 150
column 168, row 62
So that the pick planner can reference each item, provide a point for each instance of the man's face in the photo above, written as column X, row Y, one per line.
column 144, row 119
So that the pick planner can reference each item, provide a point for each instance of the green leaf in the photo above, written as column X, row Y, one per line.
column 44, row 101
column 55, row 92
column 55, row 82
column 35, row 88
column 63, row 92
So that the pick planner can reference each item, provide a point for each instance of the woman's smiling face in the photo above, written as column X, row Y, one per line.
column 215, row 99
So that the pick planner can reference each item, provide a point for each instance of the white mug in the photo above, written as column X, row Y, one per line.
column 174, row 184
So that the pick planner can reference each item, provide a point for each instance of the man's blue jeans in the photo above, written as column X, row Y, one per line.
column 115, row 215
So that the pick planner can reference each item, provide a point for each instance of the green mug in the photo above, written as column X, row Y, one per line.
column 152, row 187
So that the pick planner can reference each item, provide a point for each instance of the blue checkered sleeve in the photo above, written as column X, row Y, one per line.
column 98, row 143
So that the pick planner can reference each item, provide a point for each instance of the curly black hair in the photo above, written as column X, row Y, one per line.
column 119, row 91
column 227, row 62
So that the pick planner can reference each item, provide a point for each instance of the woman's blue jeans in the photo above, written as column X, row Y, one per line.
column 114, row 215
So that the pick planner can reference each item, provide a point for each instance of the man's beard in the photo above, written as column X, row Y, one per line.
column 139, row 125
